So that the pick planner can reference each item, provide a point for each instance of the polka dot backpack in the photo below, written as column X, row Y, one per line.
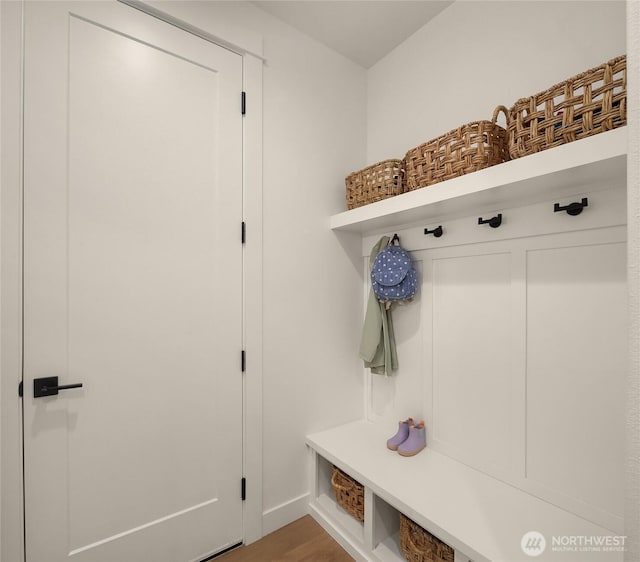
column 393, row 277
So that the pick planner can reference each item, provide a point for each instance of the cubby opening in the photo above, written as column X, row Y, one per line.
column 386, row 531
column 325, row 500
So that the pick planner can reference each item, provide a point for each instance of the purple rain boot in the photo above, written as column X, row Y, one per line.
column 416, row 441
column 401, row 435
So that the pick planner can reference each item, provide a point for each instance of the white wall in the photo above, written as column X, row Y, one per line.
column 476, row 55
column 632, row 483
column 0, row 299
column 314, row 135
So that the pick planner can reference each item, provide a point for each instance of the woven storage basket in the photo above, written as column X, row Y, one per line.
column 587, row 104
column 382, row 180
column 466, row 149
column 349, row 493
column 419, row 545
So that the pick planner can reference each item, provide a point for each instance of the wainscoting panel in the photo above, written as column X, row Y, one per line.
column 471, row 362
column 514, row 352
column 576, row 362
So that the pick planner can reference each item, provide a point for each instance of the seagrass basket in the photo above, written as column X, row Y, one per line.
column 584, row 105
column 468, row 148
column 419, row 545
column 374, row 183
column 349, row 493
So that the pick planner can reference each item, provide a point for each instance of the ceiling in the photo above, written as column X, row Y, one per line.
column 362, row 30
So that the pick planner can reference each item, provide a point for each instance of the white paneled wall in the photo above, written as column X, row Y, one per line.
column 469, row 303
column 515, row 350
column 516, row 347
column 576, row 362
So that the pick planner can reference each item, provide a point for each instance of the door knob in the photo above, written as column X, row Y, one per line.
column 48, row 386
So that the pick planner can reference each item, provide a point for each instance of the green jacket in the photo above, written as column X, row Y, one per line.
column 378, row 343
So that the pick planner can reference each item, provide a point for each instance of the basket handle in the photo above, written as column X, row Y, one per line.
column 334, row 479
column 338, row 481
column 412, row 540
column 497, row 111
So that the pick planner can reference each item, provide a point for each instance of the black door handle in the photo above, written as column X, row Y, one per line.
column 48, row 386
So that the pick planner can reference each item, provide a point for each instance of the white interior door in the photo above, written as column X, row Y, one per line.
column 132, row 287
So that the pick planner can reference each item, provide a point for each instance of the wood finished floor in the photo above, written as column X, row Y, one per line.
column 301, row 541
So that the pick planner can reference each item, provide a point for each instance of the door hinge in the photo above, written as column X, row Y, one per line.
column 244, row 103
column 20, row 387
column 244, row 232
column 243, row 361
column 243, row 489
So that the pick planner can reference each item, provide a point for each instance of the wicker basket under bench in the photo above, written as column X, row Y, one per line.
column 349, row 493
column 419, row 545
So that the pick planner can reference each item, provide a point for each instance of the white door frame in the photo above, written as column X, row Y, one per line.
column 246, row 44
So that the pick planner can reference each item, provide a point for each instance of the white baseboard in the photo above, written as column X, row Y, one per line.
column 285, row 513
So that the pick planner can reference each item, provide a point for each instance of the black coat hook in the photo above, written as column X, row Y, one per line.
column 437, row 232
column 572, row 209
column 493, row 222
column 395, row 238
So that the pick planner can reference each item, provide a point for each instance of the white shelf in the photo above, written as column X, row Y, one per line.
column 476, row 514
column 564, row 170
column 389, row 549
column 331, row 509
